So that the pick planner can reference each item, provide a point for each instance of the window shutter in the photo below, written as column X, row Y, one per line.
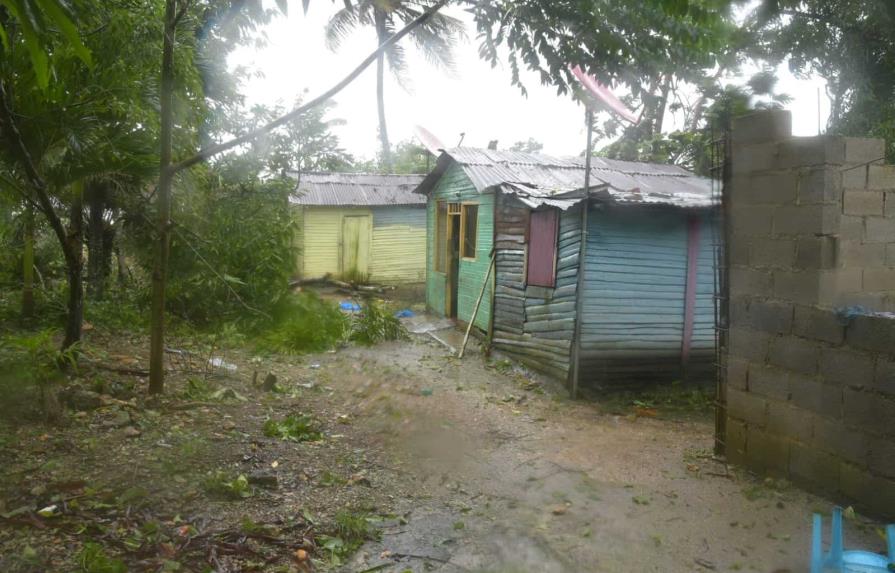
column 543, row 228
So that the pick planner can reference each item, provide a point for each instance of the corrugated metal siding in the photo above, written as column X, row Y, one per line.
column 455, row 186
column 635, row 284
column 702, row 349
column 535, row 324
column 322, row 237
column 399, row 245
column 357, row 189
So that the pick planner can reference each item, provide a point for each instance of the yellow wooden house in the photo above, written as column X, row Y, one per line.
column 360, row 227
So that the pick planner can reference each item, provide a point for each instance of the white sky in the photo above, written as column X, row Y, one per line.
column 478, row 100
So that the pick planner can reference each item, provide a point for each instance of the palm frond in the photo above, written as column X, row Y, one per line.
column 339, row 26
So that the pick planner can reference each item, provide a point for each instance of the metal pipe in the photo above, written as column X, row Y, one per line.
column 582, row 251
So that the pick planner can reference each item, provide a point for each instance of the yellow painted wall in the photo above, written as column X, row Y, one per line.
column 398, row 249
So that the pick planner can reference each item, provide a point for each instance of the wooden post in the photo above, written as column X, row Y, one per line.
column 690, row 292
column 478, row 303
column 582, row 252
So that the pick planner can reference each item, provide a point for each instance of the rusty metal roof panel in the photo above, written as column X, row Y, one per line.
column 355, row 189
column 623, row 181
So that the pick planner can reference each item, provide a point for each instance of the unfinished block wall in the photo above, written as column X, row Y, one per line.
column 810, row 359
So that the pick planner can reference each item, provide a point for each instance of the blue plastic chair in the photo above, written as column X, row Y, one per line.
column 840, row 560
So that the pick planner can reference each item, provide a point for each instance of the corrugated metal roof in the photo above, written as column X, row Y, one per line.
column 536, row 175
column 357, row 189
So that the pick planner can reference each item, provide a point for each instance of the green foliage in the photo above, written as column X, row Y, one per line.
column 374, row 323
column 304, row 323
column 93, row 559
column 294, row 427
column 223, row 485
column 232, row 250
column 850, row 44
column 30, row 369
column 350, row 531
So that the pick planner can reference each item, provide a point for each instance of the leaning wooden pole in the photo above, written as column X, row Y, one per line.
column 582, row 252
column 478, row 303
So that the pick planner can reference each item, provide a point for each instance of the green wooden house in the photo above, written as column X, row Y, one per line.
column 639, row 307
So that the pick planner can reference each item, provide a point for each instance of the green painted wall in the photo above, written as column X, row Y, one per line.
column 454, row 186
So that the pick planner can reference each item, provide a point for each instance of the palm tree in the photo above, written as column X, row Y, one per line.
column 435, row 38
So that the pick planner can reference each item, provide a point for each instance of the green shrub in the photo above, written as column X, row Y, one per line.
column 93, row 559
column 222, row 485
column 304, row 323
column 294, row 427
column 374, row 323
column 29, row 373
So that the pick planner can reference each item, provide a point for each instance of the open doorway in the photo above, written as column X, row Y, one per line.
column 453, row 262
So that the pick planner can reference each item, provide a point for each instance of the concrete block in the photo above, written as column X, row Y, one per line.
column 739, row 250
column 884, row 376
column 879, row 279
column 806, row 220
column 819, row 185
column 879, row 230
column 810, row 394
column 737, row 373
column 796, row 354
column 844, row 367
column 747, row 407
column 797, row 286
column 773, row 187
column 854, row 177
column 817, row 252
column 890, row 204
column 881, row 457
column 881, row 177
column 873, row 494
column 856, row 202
column 746, row 280
column 818, row 324
column 836, row 287
column 834, row 437
column 767, row 452
column 762, row 126
column 738, row 309
column 890, row 254
column 851, row 227
column 753, row 158
column 769, row 382
column 872, row 333
column 751, row 220
column 814, row 466
column 770, row 252
column 864, row 149
column 770, row 316
column 749, row 344
column 869, row 412
column 801, row 151
column 855, row 254
column 735, row 441
column 788, row 421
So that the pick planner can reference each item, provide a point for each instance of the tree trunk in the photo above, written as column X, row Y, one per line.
column 160, row 269
column 74, row 266
column 96, row 255
column 28, row 265
column 382, row 35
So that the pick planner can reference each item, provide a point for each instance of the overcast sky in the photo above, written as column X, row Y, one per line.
column 477, row 100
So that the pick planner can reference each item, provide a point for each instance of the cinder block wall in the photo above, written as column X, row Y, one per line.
column 810, row 388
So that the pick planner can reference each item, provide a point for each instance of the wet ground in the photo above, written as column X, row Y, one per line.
column 512, row 477
column 461, row 465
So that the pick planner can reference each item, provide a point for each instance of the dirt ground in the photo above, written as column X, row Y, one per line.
column 469, row 465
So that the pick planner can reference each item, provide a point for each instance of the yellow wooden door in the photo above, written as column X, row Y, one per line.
column 356, row 231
